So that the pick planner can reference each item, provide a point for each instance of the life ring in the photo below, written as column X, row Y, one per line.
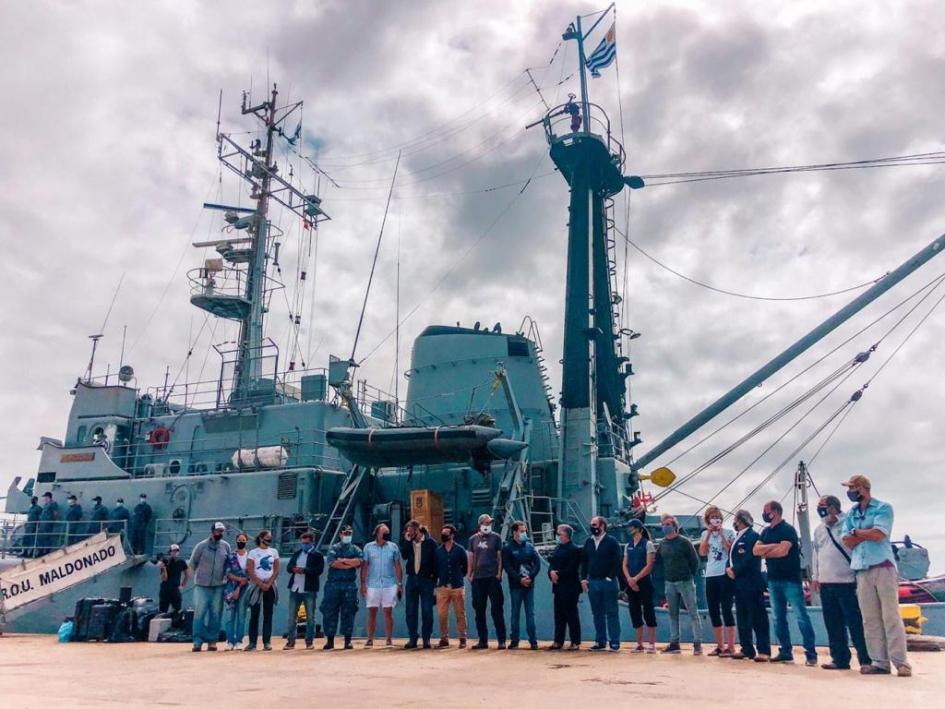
column 159, row 437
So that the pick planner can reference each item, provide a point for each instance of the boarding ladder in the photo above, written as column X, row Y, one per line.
column 341, row 512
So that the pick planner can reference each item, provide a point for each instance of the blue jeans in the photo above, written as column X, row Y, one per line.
column 519, row 596
column 603, row 597
column 781, row 593
column 685, row 591
column 297, row 599
column 208, row 609
column 418, row 607
column 234, row 620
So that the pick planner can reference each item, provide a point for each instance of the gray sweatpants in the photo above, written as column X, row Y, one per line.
column 686, row 592
column 877, row 591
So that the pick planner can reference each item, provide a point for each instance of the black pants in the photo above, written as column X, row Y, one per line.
column 488, row 590
column 641, row 604
column 752, row 615
column 266, row 602
column 566, row 614
column 419, row 601
column 169, row 596
column 719, row 595
column 842, row 614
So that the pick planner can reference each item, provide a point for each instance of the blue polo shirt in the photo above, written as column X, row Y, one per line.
column 877, row 515
column 381, row 561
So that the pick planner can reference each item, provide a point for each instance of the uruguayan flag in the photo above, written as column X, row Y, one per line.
column 605, row 53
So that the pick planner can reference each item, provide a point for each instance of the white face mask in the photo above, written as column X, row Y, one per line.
column 716, row 522
column 485, row 528
column 346, row 539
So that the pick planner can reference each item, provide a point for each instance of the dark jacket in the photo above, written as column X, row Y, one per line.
column 141, row 515
column 518, row 559
column 566, row 559
column 679, row 557
column 451, row 566
column 313, row 569
column 74, row 514
column 747, row 566
column 427, row 558
column 602, row 561
column 99, row 513
column 34, row 513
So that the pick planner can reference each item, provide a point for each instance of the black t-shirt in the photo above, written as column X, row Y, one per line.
column 175, row 567
column 787, row 568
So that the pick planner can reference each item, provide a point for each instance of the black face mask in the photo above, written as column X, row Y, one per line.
column 386, row 536
column 445, row 538
column 823, row 511
column 766, row 516
column 217, row 537
column 595, row 531
column 854, row 495
column 241, row 545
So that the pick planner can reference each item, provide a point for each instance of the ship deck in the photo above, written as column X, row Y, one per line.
column 39, row 672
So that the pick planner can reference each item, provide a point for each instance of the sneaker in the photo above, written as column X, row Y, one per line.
column 783, row 658
column 329, row 644
column 810, row 661
column 411, row 645
column 639, row 649
column 267, row 647
column 697, row 648
column 553, row 647
column 348, row 645
column 762, row 658
column 717, row 652
column 442, row 644
column 904, row 671
column 741, row 656
column 249, row 648
column 389, row 643
column 671, row 649
column 533, row 645
column 462, row 643
column 369, row 643
column 834, row 666
column 289, row 646
column 309, row 646
column 481, row 645
column 211, row 647
column 195, row 648
column 426, row 645
column 874, row 670
column 501, row 646
column 228, row 647
column 597, row 647
column 512, row 645
column 727, row 652
column 614, row 648
column 651, row 649
column 238, row 646
column 574, row 647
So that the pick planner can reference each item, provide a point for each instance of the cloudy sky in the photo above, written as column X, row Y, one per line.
column 108, row 152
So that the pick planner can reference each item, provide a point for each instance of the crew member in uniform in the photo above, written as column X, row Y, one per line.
column 99, row 516
column 140, row 519
column 31, row 527
column 73, row 517
column 118, row 517
column 341, row 589
column 48, row 537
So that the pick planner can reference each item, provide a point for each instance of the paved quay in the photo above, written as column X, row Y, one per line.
column 38, row 672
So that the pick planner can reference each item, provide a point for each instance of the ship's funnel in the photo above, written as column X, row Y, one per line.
column 506, row 447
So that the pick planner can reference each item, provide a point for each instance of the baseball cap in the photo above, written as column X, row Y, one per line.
column 346, row 528
column 47, row 494
column 635, row 524
column 97, row 498
column 175, row 547
column 857, row 481
column 485, row 518
column 219, row 527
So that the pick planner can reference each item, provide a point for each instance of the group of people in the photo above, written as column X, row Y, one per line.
column 47, row 528
column 853, row 570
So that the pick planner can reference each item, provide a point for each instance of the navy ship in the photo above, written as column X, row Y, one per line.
column 272, row 445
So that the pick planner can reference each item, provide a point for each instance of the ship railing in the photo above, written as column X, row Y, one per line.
column 188, row 532
column 217, row 281
column 557, row 124
column 22, row 538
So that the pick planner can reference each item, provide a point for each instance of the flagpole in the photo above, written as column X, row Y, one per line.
column 585, row 106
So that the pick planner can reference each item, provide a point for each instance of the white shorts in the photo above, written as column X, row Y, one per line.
column 382, row 597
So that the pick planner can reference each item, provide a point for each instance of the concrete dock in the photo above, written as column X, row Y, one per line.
column 38, row 672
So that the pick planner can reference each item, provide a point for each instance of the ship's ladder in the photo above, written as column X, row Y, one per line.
column 341, row 512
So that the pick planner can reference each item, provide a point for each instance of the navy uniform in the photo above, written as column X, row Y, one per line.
column 118, row 517
column 750, row 612
column 341, row 594
column 99, row 517
column 31, row 527
column 140, row 519
column 48, row 536
column 73, row 517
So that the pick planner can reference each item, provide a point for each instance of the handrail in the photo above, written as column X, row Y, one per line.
column 21, row 538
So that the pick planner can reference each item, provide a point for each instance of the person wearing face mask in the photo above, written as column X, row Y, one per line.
column 744, row 568
column 118, row 518
column 680, row 565
column 262, row 567
column 832, row 576
column 341, row 589
column 99, row 516
column 208, row 563
column 564, row 571
column 419, row 554
column 234, row 620
column 174, row 575
column 381, row 582
column 451, row 565
column 73, row 517
column 305, row 567
column 31, row 529
column 522, row 565
column 780, row 548
column 714, row 546
column 47, row 537
column 600, row 570
column 638, row 561
column 140, row 519
column 867, row 530
column 485, row 576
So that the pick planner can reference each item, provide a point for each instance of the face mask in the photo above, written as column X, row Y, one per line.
column 668, row 529
column 822, row 511
column 307, row 547
column 444, row 538
column 854, row 495
column 175, row 554
column 263, row 542
column 142, row 500
column 241, row 545
column 217, row 537
column 485, row 528
column 595, row 531
column 72, row 502
column 119, row 505
column 715, row 522
column 386, row 536
column 766, row 516
column 345, row 538
column 523, row 537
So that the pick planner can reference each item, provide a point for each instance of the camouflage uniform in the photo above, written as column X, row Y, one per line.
column 341, row 591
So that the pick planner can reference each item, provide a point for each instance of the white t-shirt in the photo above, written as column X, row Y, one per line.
column 717, row 558
column 263, row 562
column 298, row 580
column 241, row 560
